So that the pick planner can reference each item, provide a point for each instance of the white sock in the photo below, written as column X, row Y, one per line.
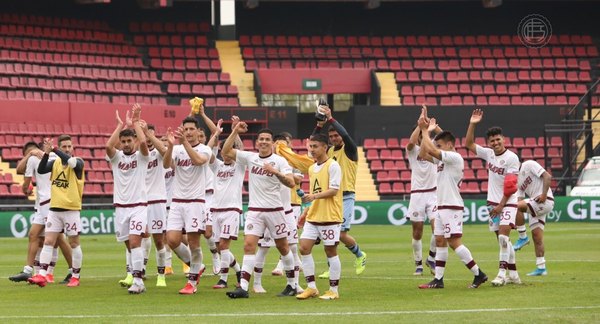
column 259, row 264
column 53, row 261
column 522, row 231
column 335, row 271
column 129, row 264
column 146, row 245
column 417, row 247
column 308, row 266
column 195, row 265
column 280, row 264
column 465, row 256
column 212, row 245
column 45, row 258
column 441, row 256
column 503, row 241
column 540, row 262
column 247, row 267
column 36, row 260
column 294, row 249
column 160, row 260
column 225, row 262
column 28, row 269
column 168, row 256
column 288, row 267
column 137, row 264
column 183, row 253
column 431, row 256
column 77, row 261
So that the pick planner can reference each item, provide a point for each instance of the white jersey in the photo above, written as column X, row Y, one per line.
column 423, row 173
column 498, row 167
column 530, row 181
column 210, row 180
column 129, row 174
column 169, row 176
column 190, row 179
column 42, row 181
column 286, row 198
column 155, row 178
column 449, row 176
column 229, row 180
column 263, row 185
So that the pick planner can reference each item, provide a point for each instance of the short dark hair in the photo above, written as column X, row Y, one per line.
column 63, row 137
column 493, row 131
column 150, row 126
column 331, row 129
column 287, row 135
column 320, row 138
column 29, row 145
column 190, row 119
column 266, row 131
column 446, row 136
column 279, row 137
column 127, row 133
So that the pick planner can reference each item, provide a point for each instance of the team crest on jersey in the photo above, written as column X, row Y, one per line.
column 415, row 214
column 49, row 224
column 502, row 162
column 250, row 227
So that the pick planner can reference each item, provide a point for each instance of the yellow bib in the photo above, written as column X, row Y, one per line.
column 348, row 168
column 328, row 210
column 66, row 189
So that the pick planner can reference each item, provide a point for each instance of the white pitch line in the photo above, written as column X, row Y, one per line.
column 407, row 312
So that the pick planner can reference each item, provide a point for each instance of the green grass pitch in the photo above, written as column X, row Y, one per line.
column 386, row 291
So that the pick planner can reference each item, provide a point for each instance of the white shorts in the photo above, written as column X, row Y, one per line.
column 508, row 217
column 157, row 218
column 448, row 222
column 538, row 211
column 130, row 221
column 226, row 224
column 297, row 212
column 421, row 204
column 68, row 222
column 186, row 216
column 274, row 221
column 208, row 219
column 329, row 234
column 292, row 224
column 266, row 240
column 41, row 215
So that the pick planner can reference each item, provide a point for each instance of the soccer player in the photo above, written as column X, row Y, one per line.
column 345, row 152
column 423, row 184
column 502, row 165
column 265, row 209
column 130, row 198
column 324, row 218
column 211, row 239
column 169, row 175
column 227, row 205
column 67, row 177
column 28, row 166
column 157, row 198
column 449, row 216
column 189, row 160
column 534, row 182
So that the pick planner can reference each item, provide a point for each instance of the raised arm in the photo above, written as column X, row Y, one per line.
column 197, row 159
column 414, row 139
column 228, row 150
column 470, row 137
column 114, row 137
column 22, row 165
column 209, row 123
column 213, row 143
column 168, row 157
column 45, row 166
column 139, row 133
column 426, row 143
column 160, row 147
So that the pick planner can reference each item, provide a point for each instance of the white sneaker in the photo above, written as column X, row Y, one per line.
column 259, row 290
column 136, row 289
column 515, row 280
column 216, row 263
column 499, row 281
column 277, row 272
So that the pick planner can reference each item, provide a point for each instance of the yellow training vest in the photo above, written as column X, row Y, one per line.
column 328, row 210
column 296, row 200
column 66, row 190
column 348, row 168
